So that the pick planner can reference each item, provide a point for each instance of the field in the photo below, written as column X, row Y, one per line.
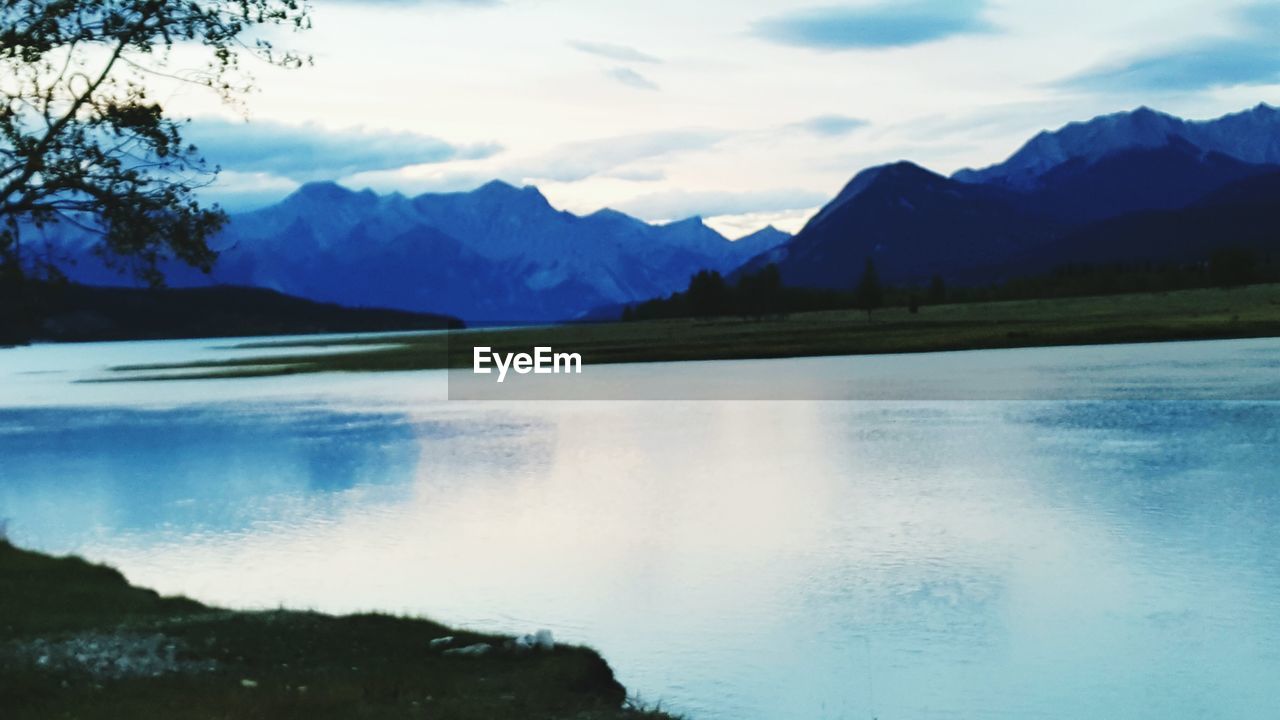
column 1184, row 315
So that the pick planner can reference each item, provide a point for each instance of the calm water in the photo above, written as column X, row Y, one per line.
column 1103, row 556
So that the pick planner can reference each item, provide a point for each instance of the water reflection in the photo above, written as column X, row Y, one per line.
column 72, row 475
column 733, row 559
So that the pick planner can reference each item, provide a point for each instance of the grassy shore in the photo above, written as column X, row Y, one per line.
column 1184, row 315
column 79, row 642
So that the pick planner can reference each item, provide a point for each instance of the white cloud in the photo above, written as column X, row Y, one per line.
column 310, row 152
column 621, row 53
column 581, row 160
column 630, row 77
column 543, row 79
column 675, row 204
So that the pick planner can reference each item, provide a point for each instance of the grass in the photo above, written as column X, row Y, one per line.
column 1183, row 315
column 249, row 665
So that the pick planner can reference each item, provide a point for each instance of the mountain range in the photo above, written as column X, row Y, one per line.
column 495, row 254
column 1050, row 202
column 1250, row 136
column 1140, row 185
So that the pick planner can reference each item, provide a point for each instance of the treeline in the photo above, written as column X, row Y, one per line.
column 763, row 294
column 1228, row 267
column 19, row 307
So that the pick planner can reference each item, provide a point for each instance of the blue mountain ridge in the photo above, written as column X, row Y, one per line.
column 985, row 226
column 495, row 254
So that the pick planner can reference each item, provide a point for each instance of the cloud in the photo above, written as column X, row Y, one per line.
column 579, row 161
column 1250, row 57
column 630, row 77
column 830, row 125
column 671, row 204
column 309, row 152
column 621, row 53
column 1201, row 66
column 627, row 157
column 637, row 174
column 886, row 25
column 445, row 181
column 739, row 226
column 238, row 192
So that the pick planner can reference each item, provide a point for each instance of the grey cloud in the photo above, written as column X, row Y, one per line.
column 830, row 125
column 1250, row 57
column 886, row 25
column 621, row 53
column 309, row 152
column 630, row 77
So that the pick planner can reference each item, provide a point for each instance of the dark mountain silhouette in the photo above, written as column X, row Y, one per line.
column 1046, row 204
column 1155, row 178
column 1242, row 216
column 913, row 223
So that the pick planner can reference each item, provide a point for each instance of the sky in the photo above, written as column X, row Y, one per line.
column 746, row 112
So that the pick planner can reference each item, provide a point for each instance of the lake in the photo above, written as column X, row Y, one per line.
column 922, row 543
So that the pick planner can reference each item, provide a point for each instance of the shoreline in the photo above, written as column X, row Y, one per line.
column 1202, row 314
column 82, row 642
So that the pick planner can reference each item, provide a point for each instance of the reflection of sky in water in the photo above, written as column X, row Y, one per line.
column 132, row 471
column 737, row 560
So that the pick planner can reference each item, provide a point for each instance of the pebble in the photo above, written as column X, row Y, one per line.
column 544, row 640
column 474, row 650
column 541, row 640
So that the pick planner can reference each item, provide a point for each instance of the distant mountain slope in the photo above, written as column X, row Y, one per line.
column 495, row 254
column 374, row 265
column 762, row 240
column 1244, row 215
column 1147, row 178
column 912, row 222
column 1251, row 136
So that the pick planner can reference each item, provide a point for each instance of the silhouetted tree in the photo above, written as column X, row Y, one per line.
column 1232, row 266
column 760, row 293
column 937, row 290
column 82, row 142
column 707, row 294
column 15, row 316
column 869, row 295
